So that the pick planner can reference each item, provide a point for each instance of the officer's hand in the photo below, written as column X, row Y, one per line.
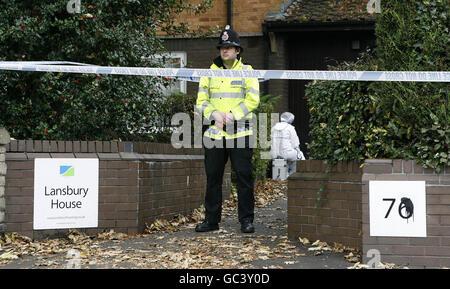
column 219, row 119
column 229, row 118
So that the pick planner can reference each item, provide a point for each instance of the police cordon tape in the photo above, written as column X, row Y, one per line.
column 192, row 74
column 44, row 63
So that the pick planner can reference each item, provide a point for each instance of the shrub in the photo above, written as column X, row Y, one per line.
column 38, row 105
column 175, row 103
column 414, row 36
column 346, row 122
column 358, row 120
column 260, row 165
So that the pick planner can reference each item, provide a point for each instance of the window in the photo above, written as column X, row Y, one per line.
column 176, row 59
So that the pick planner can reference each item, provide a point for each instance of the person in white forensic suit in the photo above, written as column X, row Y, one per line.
column 285, row 143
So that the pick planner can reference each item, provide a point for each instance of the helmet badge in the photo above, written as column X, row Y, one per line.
column 225, row 36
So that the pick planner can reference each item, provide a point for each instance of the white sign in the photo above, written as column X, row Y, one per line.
column 65, row 193
column 397, row 208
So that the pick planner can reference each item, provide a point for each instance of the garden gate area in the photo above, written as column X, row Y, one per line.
column 140, row 182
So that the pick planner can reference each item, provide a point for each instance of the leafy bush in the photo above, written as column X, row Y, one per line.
column 260, row 165
column 414, row 36
column 36, row 105
column 169, row 106
column 346, row 123
column 358, row 120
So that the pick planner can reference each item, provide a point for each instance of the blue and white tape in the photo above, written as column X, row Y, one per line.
column 44, row 63
column 193, row 74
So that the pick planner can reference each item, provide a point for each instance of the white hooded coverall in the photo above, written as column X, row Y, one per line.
column 285, row 142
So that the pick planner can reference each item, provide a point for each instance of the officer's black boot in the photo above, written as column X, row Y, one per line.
column 247, row 227
column 206, row 227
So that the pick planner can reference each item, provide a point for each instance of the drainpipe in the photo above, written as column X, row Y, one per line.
column 266, row 55
column 229, row 12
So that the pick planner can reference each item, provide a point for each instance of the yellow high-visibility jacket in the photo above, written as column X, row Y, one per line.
column 237, row 95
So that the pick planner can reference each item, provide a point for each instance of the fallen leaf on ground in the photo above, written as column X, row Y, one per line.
column 8, row 256
column 111, row 235
column 303, row 241
column 350, row 257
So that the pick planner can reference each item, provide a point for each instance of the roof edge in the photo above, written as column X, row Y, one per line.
column 341, row 25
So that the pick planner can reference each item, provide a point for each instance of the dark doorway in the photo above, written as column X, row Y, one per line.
column 316, row 51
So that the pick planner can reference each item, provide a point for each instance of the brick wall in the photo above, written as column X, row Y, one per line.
column 336, row 217
column 4, row 140
column 247, row 15
column 432, row 251
column 168, row 187
column 342, row 214
column 138, row 182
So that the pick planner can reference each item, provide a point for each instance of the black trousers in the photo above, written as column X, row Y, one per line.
column 241, row 162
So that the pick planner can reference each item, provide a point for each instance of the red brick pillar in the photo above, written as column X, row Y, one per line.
column 4, row 140
column 432, row 251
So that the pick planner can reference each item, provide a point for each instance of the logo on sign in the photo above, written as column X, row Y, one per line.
column 67, row 171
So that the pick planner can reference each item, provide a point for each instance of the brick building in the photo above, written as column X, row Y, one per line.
column 276, row 34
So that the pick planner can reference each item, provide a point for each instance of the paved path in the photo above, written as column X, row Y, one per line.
column 267, row 248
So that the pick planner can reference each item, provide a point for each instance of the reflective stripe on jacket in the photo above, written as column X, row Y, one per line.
column 237, row 95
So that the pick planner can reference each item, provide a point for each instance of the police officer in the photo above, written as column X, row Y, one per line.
column 228, row 103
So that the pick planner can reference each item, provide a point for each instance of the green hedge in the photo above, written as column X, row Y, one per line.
column 260, row 165
column 36, row 105
column 358, row 120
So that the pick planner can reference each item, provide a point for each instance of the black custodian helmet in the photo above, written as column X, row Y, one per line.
column 229, row 37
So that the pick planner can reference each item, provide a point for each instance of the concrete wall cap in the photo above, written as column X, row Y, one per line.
column 378, row 161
